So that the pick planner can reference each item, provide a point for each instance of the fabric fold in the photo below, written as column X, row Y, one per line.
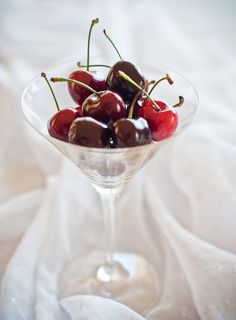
column 209, row 270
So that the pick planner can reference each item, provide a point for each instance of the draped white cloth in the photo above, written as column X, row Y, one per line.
column 179, row 211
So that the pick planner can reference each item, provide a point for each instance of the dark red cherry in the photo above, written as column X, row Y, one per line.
column 116, row 82
column 131, row 132
column 162, row 123
column 59, row 124
column 89, row 132
column 94, row 79
column 80, row 111
column 105, row 106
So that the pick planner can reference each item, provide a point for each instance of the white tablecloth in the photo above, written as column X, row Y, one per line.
column 181, row 206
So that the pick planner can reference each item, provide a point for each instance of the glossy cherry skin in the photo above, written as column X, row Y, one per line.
column 106, row 106
column 140, row 101
column 123, row 87
column 94, row 79
column 162, row 123
column 137, row 106
column 131, row 132
column 79, row 109
column 89, row 132
column 59, row 124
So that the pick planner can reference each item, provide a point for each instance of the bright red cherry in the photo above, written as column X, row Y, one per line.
column 104, row 106
column 59, row 124
column 162, row 123
column 95, row 80
column 162, row 120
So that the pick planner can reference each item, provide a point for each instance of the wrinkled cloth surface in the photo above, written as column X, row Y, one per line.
column 179, row 211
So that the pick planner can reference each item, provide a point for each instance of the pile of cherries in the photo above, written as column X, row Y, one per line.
column 115, row 111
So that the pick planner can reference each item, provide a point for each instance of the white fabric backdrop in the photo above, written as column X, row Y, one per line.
column 181, row 206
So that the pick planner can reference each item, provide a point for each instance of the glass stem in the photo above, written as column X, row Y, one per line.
column 108, row 198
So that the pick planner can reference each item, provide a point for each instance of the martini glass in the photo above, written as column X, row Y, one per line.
column 123, row 276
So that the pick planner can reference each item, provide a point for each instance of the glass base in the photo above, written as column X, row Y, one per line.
column 130, row 279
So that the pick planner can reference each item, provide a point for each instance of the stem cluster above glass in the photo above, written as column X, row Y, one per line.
column 120, row 120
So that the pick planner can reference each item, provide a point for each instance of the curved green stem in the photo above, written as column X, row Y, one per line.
column 53, row 94
column 167, row 77
column 89, row 36
column 104, row 31
column 126, row 77
column 149, row 84
column 131, row 109
column 75, row 82
column 93, row 65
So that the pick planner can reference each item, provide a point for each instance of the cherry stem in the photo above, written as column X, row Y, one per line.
column 167, row 77
column 131, row 109
column 104, row 31
column 126, row 77
column 75, row 82
column 50, row 87
column 149, row 84
column 92, row 65
column 180, row 103
column 94, row 21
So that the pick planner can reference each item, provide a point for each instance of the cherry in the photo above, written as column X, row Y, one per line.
column 89, row 132
column 59, row 123
column 94, row 79
column 105, row 106
column 116, row 82
column 128, row 132
column 136, row 85
column 141, row 99
column 162, row 120
column 80, row 110
column 162, row 123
